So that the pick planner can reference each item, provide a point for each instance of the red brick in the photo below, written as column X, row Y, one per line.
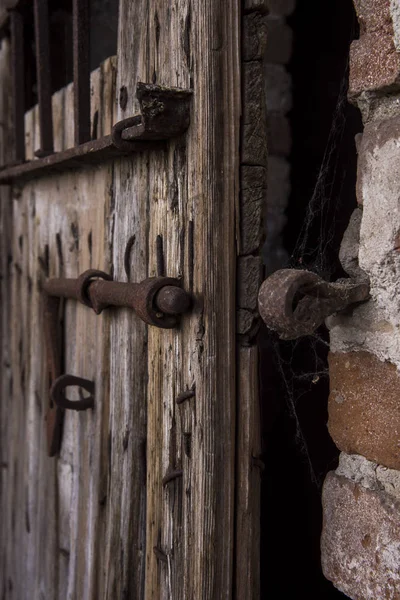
column 374, row 62
column 360, row 547
column 364, row 407
column 374, row 15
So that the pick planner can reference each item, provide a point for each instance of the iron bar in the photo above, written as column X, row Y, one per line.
column 43, row 78
column 81, row 62
column 18, row 84
column 165, row 113
column 157, row 300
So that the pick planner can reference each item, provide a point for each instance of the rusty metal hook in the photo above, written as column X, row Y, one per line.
column 57, row 392
column 296, row 302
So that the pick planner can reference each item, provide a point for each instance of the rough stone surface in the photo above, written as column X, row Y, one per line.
column 369, row 474
column 374, row 61
column 254, row 36
column 375, row 326
column 249, row 278
column 364, row 407
column 278, row 89
column 256, row 5
column 254, row 140
column 395, row 14
column 280, row 37
column 360, row 542
column 374, row 64
column 253, row 191
column 375, row 108
column 246, row 323
column 374, row 16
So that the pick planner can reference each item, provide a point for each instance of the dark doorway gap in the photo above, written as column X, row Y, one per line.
column 291, row 518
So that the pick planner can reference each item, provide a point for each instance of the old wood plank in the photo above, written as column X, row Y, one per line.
column 194, row 187
column 168, row 223
column 125, row 545
column 248, row 487
column 60, row 227
column 6, row 481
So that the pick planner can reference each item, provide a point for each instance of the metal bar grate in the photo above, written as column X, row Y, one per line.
column 81, row 51
column 18, row 84
column 43, row 77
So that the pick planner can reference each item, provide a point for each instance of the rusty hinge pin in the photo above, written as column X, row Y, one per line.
column 157, row 300
column 296, row 302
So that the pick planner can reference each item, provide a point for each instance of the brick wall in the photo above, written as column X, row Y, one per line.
column 361, row 500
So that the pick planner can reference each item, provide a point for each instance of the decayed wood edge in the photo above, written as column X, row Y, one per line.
column 199, row 226
column 6, row 466
column 249, row 277
column 248, row 487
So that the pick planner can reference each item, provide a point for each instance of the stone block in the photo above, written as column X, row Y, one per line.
column 364, row 407
column 378, row 189
column 254, row 138
column 249, row 278
column 374, row 65
column 278, row 86
column 279, row 134
column 279, row 41
column 374, row 60
column 256, row 5
column 360, row 542
column 253, row 183
column 374, row 16
column 254, row 36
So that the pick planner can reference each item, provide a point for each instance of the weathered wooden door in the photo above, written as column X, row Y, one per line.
column 153, row 494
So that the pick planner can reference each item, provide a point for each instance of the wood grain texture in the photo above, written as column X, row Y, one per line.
column 53, row 508
column 248, row 487
column 141, row 501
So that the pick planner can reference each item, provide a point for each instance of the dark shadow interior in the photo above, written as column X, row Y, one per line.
column 297, row 449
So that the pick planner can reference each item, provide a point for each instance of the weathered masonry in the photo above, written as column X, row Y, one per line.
column 360, row 544
column 361, row 536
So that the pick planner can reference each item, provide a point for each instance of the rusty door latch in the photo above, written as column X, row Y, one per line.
column 158, row 301
column 296, row 302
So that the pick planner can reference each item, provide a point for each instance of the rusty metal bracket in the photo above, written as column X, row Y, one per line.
column 165, row 113
column 157, row 301
column 296, row 302
column 53, row 340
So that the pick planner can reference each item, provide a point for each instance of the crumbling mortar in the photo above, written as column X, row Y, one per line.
column 371, row 476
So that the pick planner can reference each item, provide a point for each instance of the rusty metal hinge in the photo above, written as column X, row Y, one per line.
column 296, row 302
column 158, row 301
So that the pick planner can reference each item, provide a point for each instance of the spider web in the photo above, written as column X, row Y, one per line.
column 302, row 364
